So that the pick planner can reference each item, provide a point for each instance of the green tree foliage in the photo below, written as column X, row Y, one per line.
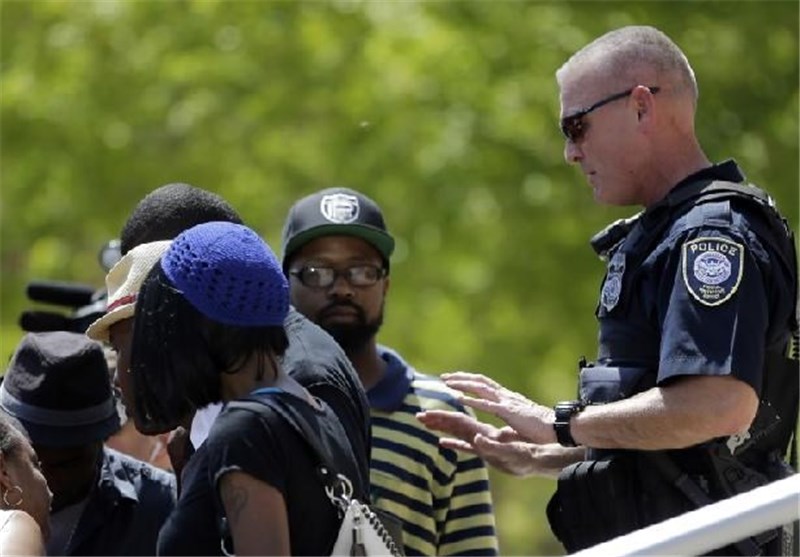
column 444, row 112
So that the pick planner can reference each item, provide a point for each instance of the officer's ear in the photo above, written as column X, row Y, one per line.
column 644, row 102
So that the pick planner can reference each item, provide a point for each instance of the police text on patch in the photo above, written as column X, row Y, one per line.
column 712, row 269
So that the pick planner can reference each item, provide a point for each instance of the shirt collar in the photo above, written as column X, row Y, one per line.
column 387, row 394
column 114, row 478
column 727, row 170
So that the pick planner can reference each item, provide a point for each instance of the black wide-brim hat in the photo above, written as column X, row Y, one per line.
column 58, row 387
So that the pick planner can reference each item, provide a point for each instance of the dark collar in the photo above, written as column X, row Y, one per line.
column 387, row 394
column 728, row 171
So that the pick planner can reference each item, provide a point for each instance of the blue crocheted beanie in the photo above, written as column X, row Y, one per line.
column 229, row 274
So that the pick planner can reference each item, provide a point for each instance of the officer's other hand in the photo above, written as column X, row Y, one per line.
column 498, row 447
column 532, row 421
column 460, row 426
column 502, row 448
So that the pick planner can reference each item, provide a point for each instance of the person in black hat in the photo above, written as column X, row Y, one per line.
column 104, row 503
column 313, row 357
column 336, row 253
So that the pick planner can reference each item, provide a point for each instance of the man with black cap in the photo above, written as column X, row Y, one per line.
column 104, row 503
column 313, row 357
column 336, row 251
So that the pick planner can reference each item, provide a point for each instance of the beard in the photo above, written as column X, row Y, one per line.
column 352, row 337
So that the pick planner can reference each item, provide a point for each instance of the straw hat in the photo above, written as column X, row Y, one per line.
column 123, row 282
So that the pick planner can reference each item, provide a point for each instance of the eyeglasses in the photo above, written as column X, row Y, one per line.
column 573, row 126
column 323, row 277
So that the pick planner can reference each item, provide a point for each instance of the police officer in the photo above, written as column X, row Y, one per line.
column 693, row 396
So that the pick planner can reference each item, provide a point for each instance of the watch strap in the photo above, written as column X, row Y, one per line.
column 564, row 412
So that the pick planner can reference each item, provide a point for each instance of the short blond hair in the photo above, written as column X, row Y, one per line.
column 628, row 53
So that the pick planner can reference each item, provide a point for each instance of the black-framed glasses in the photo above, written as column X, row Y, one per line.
column 574, row 127
column 322, row 277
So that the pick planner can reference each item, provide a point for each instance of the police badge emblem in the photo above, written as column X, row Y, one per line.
column 339, row 208
column 712, row 269
column 612, row 286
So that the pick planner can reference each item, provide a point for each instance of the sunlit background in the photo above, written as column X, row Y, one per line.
column 444, row 112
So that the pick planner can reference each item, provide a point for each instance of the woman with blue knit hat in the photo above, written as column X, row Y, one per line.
column 209, row 328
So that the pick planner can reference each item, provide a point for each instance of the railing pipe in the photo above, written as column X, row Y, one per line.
column 712, row 526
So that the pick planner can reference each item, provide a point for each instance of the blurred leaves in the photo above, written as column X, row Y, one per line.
column 444, row 112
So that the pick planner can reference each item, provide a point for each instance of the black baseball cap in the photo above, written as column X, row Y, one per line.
column 334, row 212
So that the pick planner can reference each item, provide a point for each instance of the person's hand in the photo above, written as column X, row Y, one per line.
column 532, row 422
column 501, row 448
column 179, row 449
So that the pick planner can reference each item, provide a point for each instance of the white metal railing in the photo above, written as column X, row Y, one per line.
column 712, row 526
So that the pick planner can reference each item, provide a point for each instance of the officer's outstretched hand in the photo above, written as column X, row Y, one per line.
column 533, row 422
column 501, row 448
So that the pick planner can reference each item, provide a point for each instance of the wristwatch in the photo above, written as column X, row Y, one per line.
column 564, row 412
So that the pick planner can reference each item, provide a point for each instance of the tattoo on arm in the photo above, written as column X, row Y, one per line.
column 246, row 501
column 234, row 498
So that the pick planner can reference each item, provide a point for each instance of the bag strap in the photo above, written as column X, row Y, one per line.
column 337, row 486
column 298, row 423
column 692, row 491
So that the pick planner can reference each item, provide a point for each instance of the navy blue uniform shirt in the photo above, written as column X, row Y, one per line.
column 710, row 295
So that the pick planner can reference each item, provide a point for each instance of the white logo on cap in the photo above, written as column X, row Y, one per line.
column 339, row 208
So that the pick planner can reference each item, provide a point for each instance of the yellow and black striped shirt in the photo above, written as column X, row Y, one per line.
column 441, row 496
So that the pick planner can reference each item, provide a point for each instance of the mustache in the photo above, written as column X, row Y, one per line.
column 342, row 304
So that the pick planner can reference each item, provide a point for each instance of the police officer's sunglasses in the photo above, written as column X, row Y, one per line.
column 323, row 277
column 574, row 127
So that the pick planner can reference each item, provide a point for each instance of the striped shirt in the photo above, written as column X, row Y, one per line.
column 441, row 496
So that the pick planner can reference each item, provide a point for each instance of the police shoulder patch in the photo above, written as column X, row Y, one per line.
column 712, row 269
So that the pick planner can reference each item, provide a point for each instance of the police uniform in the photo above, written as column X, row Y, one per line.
column 702, row 283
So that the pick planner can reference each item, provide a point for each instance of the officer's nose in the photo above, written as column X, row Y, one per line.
column 572, row 153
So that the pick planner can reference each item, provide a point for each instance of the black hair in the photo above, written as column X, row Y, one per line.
column 169, row 210
column 178, row 354
column 11, row 435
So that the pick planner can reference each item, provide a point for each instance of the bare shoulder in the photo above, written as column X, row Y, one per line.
column 20, row 534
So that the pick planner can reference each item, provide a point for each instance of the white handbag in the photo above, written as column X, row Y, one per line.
column 362, row 531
